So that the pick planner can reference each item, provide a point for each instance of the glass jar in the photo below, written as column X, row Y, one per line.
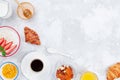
column 5, row 9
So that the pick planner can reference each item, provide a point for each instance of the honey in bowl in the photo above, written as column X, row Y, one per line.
column 89, row 76
column 25, row 10
column 9, row 71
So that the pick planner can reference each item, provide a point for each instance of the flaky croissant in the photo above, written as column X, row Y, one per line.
column 113, row 72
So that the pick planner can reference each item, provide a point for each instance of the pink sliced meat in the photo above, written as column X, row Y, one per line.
column 3, row 43
column 1, row 40
column 8, row 51
column 8, row 45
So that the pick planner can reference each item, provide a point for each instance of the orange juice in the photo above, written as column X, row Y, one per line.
column 89, row 76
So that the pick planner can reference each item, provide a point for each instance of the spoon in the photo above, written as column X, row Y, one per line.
column 26, row 12
column 55, row 51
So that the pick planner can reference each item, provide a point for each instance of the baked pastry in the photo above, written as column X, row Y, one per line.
column 113, row 72
column 31, row 36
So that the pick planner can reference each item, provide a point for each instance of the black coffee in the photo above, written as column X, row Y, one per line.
column 37, row 65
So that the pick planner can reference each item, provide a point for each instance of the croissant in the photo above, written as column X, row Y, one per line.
column 113, row 72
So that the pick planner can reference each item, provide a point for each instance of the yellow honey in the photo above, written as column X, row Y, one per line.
column 9, row 71
column 89, row 76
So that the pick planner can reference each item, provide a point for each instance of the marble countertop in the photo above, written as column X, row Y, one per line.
column 88, row 30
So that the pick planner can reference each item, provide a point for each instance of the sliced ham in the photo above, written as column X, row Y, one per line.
column 8, row 45
column 8, row 51
column 1, row 40
column 3, row 43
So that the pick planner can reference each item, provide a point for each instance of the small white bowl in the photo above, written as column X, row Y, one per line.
column 8, row 13
column 67, row 62
column 15, row 78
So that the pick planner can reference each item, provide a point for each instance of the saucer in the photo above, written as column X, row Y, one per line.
column 28, row 72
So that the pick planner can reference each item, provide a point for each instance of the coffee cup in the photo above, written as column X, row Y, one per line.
column 35, row 64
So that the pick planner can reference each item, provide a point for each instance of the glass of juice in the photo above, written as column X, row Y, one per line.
column 88, row 76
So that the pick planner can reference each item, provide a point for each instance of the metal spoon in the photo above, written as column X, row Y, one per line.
column 54, row 51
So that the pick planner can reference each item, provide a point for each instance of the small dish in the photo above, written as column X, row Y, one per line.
column 9, row 75
column 35, row 64
column 68, row 63
column 9, row 34
column 25, row 5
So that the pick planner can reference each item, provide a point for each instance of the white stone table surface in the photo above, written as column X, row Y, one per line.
column 88, row 30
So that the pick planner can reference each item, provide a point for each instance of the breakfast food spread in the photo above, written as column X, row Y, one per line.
column 35, row 65
column 113, row 72
column 64, row 72
column 6, row 47
column 31, row 36
column 9, row 71
column 89, row 76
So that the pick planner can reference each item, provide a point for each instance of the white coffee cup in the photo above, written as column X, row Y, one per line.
column 27, row 70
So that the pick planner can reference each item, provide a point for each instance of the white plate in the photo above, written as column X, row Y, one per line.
column 10, row 34
column 26, row 68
